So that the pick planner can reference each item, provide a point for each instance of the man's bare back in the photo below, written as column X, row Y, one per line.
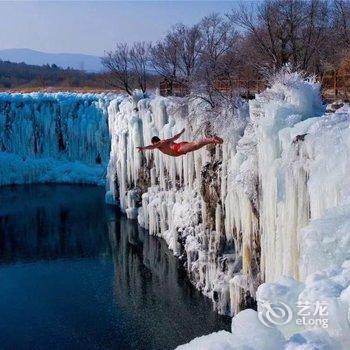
column 176, row 149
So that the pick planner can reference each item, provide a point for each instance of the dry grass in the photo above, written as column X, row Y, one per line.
column 84, row 89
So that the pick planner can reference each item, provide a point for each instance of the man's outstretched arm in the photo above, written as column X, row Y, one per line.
column 176, row 136
column 154, row 146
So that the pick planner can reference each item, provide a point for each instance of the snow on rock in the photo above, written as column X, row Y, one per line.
column 311, row 340
column 60, row 137
column 331, row 286
column 247, row 323
column 309, row 327
column 221, row 340
column 248, row 333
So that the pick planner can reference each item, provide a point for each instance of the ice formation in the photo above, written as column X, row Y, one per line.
column 61, row 137
column 272, row 201
column 234, row 212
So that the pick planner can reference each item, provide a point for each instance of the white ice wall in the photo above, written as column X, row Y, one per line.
column 164, row 192
column 297, row 159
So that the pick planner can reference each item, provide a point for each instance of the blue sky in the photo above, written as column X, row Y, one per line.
column 94, row 26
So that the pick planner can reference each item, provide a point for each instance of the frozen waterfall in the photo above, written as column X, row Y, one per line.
column 61, row 137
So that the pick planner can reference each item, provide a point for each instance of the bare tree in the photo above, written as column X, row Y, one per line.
column 119, row 66
column 286, row 31
column 309, row 35
column 217, row 56
column 177, row 57
column 165, row 57
column 190, row 44
column 342, row 21
column 139, row 57
column 128, row 66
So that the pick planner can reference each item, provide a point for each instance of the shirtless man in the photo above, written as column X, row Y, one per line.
column 176, row 149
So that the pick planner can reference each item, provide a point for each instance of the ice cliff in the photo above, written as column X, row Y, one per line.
column 272, row 201
column 232, row 212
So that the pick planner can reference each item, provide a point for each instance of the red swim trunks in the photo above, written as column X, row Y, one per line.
column 176, row 147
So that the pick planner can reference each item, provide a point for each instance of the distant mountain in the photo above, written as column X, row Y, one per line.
column 88, row 63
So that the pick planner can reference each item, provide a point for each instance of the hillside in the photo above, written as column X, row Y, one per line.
column 23, row 76
column 77, row 61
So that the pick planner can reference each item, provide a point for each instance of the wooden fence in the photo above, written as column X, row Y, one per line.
column 247, row 88
column 166, row 88
column 334, row 86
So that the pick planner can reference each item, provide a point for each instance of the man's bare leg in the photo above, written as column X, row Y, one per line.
column 196, row 145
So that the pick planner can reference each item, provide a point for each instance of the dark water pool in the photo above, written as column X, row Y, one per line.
column 74, row 274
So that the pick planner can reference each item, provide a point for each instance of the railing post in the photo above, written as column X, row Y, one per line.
column 346, row 86
column 336, row 84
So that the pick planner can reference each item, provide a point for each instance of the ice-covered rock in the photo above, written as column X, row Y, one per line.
column 248, row 333
column 268, row 203
column 331, row 287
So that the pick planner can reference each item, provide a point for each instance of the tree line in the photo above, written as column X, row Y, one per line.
column 247, row 43
column 21, row 75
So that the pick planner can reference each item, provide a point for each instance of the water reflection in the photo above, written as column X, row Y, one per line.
column 51, row 222
column 74, row 274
